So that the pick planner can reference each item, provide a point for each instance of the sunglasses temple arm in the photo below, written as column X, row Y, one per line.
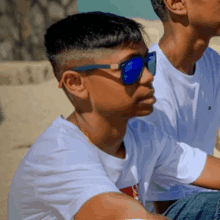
column 91, row 67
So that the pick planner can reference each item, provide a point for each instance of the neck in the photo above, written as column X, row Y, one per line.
column 107, row 135
column 183, row 46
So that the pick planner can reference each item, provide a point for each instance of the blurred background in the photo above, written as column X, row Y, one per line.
column 127, row 8
column 23, row 22
column 29, row 96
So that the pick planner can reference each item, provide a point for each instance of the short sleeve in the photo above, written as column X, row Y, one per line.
column 67, row 178
column 178, row 164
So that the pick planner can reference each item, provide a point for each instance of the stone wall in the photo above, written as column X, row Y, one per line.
column 23, row 24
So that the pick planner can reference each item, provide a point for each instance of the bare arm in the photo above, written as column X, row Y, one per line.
column 210, row 176
column 114, row 206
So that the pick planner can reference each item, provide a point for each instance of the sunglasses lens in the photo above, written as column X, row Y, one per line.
column 151, row 63
column 132, row 71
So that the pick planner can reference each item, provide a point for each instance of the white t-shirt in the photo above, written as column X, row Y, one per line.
column 62, row 170
column 187, row 108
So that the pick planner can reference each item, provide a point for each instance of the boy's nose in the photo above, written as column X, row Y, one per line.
column 147, row 77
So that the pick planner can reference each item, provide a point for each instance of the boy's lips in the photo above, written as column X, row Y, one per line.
column 148, row 101
column 148, row 95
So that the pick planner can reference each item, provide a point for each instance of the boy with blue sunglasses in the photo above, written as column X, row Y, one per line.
column 80, row 165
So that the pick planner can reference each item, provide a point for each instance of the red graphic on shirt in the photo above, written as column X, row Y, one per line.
column 130, row 192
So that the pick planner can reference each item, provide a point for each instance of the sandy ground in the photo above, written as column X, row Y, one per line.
column 29, row 110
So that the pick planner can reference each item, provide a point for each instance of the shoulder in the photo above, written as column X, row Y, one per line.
column 211, row 51
column 151, row 141
column 140, row 125
column 145, row 131
column 209, row 63
column 61, row 145
column 211, row 55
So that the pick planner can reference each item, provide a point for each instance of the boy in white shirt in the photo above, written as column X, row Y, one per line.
column 186, row 82
column 78, row 165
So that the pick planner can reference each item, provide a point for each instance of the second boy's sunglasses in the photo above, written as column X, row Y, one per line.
column 131, row 69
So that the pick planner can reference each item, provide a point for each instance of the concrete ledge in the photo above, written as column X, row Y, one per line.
column 25, row 72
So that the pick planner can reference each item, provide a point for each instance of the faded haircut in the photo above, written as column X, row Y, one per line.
column 90, row 31
column 82, row 35
column 159, row 8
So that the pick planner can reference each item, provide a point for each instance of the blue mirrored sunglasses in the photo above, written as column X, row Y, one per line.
column 131, row 69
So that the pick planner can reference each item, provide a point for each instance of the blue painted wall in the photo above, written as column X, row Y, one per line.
column 127, row 8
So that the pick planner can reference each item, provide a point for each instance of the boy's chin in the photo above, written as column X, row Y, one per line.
column 138, row 113
column 145, row 112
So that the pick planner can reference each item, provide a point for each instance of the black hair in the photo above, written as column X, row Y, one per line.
column 91, row 30
column 159, row 8
column 87, row 31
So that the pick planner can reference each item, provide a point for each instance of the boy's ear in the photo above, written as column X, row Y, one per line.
column 177, row 7
column 75, row 84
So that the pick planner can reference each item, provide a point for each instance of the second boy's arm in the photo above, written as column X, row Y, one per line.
column 210, row 176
